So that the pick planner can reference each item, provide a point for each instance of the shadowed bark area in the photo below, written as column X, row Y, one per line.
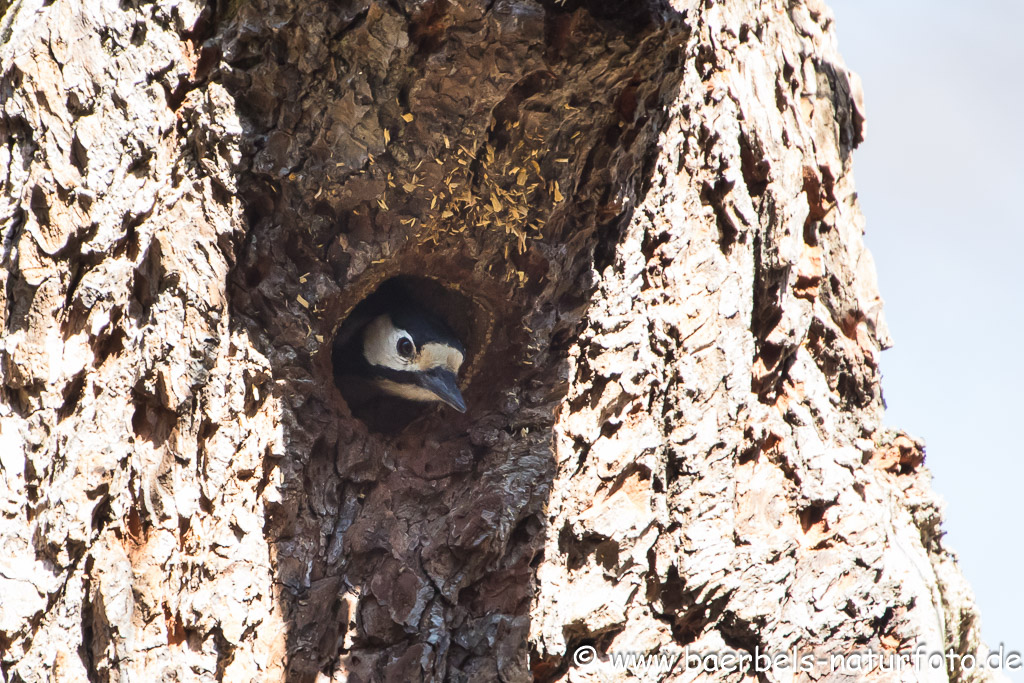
column 638, row 217
column 492, row 151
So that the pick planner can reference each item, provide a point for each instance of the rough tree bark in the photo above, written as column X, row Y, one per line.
column 640, row 217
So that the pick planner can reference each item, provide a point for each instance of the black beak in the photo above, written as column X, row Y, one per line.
column 443, row 384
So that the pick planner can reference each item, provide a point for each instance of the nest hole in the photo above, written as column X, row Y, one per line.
column 387, row 414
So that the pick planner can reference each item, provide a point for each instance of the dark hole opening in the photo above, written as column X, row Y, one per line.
column 382, row 412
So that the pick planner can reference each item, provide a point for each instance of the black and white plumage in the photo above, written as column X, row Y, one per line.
column 400, row 349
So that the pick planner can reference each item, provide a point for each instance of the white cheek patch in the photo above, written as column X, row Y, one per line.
column 435, row 355
column 380, row 343
column 380, row 347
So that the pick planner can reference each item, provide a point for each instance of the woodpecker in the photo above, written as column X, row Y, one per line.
column 402, row 350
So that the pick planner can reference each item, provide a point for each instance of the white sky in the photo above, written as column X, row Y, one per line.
column 941, row 183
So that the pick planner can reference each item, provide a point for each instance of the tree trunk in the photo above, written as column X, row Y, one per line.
column 640, row 219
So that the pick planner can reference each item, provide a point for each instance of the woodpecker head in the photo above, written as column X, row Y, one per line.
column 409, row 353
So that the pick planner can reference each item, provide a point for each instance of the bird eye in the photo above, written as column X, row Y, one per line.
column 405, row 347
